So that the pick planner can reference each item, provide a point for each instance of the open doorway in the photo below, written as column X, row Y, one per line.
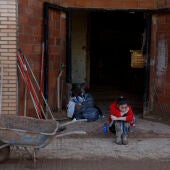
column 112, row 36
column 101, row 44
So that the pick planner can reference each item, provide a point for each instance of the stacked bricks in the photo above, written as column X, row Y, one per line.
column 57, row 55
column 160, row 71
column 163, row 3
column 112, row 4
column 30, row 39
column 30, row 26
column 8, row 27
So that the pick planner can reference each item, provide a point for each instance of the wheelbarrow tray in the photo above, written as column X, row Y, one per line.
column 26, row 131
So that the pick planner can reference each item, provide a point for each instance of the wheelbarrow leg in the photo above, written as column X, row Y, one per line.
column 34, row 155
column 4, row 152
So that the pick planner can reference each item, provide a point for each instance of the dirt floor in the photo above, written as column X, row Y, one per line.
column 148, row 148
column 100, row 164
column 150, row 140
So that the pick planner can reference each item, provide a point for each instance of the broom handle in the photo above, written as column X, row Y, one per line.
column 38, row 87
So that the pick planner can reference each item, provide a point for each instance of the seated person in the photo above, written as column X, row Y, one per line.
column 121, row 115
column 82, row 106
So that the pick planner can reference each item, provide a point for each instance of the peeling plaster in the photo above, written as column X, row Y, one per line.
column 162, row 59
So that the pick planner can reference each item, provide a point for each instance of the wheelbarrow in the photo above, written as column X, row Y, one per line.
column 27, row 132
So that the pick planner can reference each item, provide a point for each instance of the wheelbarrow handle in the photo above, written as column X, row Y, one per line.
column 72, row 133
column 72, row 122
column 4, row 145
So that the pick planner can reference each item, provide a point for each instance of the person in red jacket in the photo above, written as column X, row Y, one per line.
column 121, row 115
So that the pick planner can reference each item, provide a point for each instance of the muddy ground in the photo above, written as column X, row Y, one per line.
column 96, row 164
column 148, row 148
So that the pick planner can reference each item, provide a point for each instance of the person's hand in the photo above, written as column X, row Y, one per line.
column 113, row 117
column 78, row 106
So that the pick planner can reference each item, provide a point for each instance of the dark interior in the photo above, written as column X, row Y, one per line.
column 112, row 36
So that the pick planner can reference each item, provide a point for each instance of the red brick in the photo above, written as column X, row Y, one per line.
column 167, row 3
column 27, row 49
column 82, row 3
column 53, row 49
column 36, row 48
column 162, row 19
column 130, row 4
column 164, row 27
column 161, row 91
column 168, row 78
column 163, row 99
column 30, row 39
column 107, row 4
column 32, row 4
column 161, row 3
column 23, row 19
column 167, row 92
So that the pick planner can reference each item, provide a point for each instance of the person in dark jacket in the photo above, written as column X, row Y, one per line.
column 84, row 106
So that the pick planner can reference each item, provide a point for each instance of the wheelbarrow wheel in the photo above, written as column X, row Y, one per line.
column 4, row 152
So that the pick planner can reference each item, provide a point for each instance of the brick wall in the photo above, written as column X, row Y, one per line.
column 163, row 3
column 160, row 66
column 118, row 4
column 8, row 22
column 57, row 54
column 31, row 37
column 30, row 41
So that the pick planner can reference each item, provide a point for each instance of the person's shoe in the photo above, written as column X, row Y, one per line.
column 74, row 119
column 118, row 133
column 118, row 140
column 124, row 139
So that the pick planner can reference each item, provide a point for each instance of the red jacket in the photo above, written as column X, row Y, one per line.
column 114, row 110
